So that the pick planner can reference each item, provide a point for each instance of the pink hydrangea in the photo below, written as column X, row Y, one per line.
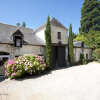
column 31, row 71
column 14, row 58
column 21, row 62
column 16, row 62
column 13, row 74
column 7, row 74
column 26, row 68
column 42, row 68
column 10, row 62
column 31, row 65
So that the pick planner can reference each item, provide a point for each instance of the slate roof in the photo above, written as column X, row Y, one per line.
column 54, row 22
column 79, row 44
column 6, row 32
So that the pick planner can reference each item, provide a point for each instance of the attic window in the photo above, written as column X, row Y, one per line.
column 59, row 35
column 18, row 38
column 18, row 41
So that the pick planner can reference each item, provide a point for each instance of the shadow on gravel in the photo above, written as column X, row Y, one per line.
column 28, row 76
column 2, row 78
column 65, row 67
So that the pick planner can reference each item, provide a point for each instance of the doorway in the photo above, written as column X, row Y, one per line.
column 3, row 58
column 58, row 56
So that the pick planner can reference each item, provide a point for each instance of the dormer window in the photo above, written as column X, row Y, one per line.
column 18, row 38
column 59, row 35
column 18, row 41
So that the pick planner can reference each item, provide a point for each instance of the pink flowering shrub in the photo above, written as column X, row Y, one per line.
column 28, row 63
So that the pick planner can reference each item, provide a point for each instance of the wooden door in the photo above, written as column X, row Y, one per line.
column 61, row 56
column 53, row 57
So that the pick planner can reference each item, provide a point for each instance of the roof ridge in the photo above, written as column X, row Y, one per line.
column 16, row 26
column 62, row 26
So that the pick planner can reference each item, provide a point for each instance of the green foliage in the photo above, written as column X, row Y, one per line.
column 29, row 63
column 74, row 35
column 82, row 59
column 80, row 37
column 48, row 43
column 24, row 24
column 93, row 39
column 90, row 16
column 71, row 56
column 18, row 24
column 96, row 54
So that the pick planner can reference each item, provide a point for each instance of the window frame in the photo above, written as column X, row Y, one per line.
column 59, row 35
column 16, row 38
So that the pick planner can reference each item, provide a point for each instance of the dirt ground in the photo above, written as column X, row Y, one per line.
column 74, row 83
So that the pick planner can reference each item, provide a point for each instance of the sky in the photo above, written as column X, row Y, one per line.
column 34, row 12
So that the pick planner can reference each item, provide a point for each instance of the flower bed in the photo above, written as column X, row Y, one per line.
column 28, row 63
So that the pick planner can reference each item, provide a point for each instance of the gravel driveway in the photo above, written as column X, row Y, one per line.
column 74, row 83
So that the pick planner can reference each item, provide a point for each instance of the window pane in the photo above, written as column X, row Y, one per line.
column 18, row 41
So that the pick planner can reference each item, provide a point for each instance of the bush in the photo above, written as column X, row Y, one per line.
column 96, row 54
column 28, row 63
column 82, row 59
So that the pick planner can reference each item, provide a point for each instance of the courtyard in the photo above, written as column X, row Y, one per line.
column 74, row 83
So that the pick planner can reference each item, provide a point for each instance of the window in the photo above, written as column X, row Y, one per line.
column 18, row 38
column 59, row 35
column 18, row 41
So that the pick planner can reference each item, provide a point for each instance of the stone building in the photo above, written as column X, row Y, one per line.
column 16, row 41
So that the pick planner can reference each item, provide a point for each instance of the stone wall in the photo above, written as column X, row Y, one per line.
column 54, row 34
column 26, row 49
column 15, row 51
column 78, row 51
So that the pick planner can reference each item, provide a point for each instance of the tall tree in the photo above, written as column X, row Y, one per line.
column 71, row 56
column 93, row 39
column 18, row 24
column 48, row 43
column 24, row 24
column 90, row 16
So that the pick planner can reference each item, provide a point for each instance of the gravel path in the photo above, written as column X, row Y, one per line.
column 75, row 83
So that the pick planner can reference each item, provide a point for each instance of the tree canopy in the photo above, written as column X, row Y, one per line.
column 18, row 24
column 92, row 39
column 90, row 16
column 80, row 37
column 24, row 24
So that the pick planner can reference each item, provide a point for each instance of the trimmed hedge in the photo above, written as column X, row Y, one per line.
column 28, row 63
